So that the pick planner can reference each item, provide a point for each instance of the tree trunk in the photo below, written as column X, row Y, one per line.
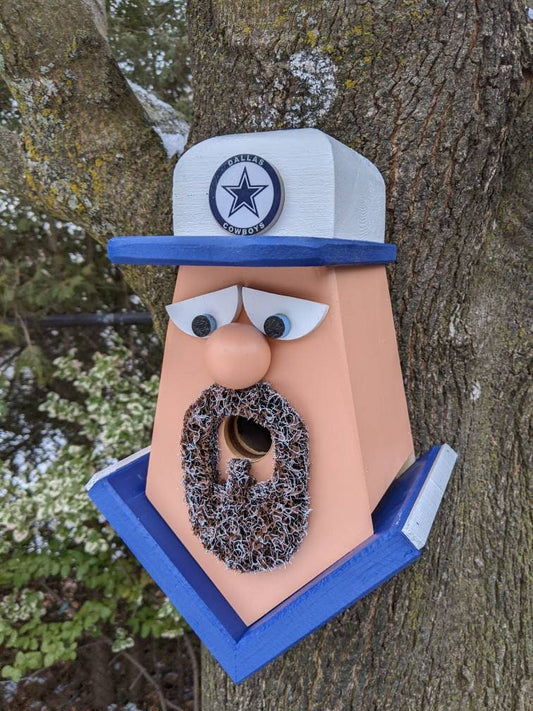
column 436, row 94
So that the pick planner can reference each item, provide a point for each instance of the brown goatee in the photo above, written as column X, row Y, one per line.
column 249, row 525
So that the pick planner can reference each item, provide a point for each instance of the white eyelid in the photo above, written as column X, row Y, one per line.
column 303, row 315
column 224, row 305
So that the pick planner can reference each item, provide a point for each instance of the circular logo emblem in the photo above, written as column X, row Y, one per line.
column 246, row 195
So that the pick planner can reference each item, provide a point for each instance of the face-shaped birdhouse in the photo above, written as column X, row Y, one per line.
column 281, row 422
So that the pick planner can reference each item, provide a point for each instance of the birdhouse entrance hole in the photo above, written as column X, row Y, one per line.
column 246, row 439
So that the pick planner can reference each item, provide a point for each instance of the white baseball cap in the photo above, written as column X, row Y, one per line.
column 280, row 198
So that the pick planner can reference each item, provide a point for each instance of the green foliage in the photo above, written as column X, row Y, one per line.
column 32, row 358
column 64, row 575
column 48, row 267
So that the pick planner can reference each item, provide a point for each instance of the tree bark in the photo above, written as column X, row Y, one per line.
column 87, row 153
column 437, row 95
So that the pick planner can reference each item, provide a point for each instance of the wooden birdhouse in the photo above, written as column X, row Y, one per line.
column 281, row 484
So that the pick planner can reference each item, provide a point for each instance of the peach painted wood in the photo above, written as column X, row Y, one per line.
column 343, row 378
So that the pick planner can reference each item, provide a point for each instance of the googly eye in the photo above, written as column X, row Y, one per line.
column 203, row 325
column 282, row 317
column 277, row 326
column 201, row 315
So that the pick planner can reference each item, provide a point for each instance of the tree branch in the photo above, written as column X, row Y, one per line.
column 89, row 154
column 86, row 137
column 195, row 671
column 164, row 703
column 100, row 15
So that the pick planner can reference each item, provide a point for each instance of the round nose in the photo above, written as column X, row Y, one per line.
column 237, row 355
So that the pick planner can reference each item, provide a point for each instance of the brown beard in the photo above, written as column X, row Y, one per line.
column 249, row 525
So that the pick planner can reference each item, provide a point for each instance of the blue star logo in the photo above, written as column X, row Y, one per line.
column 244, row 194
column 253, row 175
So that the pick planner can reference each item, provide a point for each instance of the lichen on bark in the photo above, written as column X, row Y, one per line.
column 90, row 155
column 435, row 94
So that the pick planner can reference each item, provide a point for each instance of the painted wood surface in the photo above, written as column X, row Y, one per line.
column 323, row 204
column 345, row 382
column 118, row 492
column 254, row 251
column 331, row 191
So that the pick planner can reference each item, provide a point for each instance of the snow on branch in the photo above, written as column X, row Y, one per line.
column 165, row 120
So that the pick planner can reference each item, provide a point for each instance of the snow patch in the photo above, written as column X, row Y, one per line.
column 453, row 322
column 475, row 394
column 10, row 690
column 165, row 120
column 317, row 72
column 173, row 143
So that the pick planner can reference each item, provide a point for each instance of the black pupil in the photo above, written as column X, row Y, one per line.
column 274, row 327
column 201, row 326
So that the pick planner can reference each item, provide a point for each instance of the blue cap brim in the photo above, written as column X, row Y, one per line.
column 249, row 251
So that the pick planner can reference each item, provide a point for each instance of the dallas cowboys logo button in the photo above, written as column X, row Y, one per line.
column 246, row 195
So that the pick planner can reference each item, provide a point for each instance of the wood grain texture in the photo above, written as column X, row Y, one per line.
column 331, row 191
